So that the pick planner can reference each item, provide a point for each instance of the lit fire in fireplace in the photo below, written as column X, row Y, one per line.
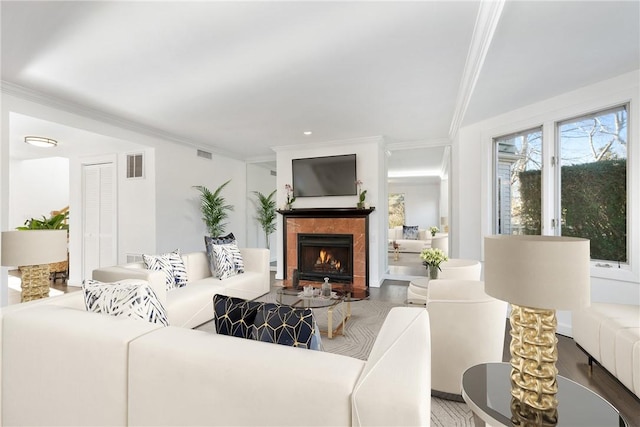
column 326, row 261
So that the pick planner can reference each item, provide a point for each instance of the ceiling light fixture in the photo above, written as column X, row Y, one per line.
column 38, row 141
column 307, row 132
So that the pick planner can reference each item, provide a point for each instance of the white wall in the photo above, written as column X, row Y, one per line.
column 160, row 213
column 259, row 179
column 370, row 160
column 472, row 190
column 179, row 219
column 421, row 203
column 37, row 187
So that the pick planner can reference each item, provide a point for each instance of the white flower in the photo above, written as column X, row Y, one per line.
column 433, row 257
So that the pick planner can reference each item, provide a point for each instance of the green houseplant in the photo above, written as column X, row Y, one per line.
column 214, row 209
column 266, row 213
column 54, row 222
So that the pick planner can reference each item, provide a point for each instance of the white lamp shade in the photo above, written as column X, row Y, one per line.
column 33, row 247
column 548, row 272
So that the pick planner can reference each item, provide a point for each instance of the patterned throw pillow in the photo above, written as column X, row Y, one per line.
column 224, row 261
column 210, row 242
column 287, row 326
column 129, row 298
column 235, row 316
column 171, row 265
column 410, row 232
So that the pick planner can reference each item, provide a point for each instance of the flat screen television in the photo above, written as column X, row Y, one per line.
column 324, row 176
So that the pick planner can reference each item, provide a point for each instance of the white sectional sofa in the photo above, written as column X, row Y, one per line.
column 62, row 365
column 190, row 306
column 610, row 335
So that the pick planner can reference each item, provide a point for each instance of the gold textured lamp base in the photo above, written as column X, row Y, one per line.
column 35, row 282
column 525, row 416
column 534, row 354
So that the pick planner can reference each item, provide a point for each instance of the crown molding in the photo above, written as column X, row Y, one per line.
column 379, row 140
column 486, row 22
column 423, row 143
column 47, row 100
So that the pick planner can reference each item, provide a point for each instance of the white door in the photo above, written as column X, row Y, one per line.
column 99, row 248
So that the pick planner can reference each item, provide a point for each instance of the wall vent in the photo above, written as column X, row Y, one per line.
column 135, row 165
column 205, row 154
column 134, row 258
column 273, row 173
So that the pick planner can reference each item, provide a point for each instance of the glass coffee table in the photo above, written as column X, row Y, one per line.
column 486, row 388
column 342, row 296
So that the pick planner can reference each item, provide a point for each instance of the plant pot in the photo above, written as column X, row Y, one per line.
column 360, row 205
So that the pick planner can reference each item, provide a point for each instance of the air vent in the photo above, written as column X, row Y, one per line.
column 135, row 163
column 134, row 258
column 273, row 173
column 205, row 154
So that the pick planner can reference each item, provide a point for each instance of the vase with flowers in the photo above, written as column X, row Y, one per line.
column 290, row 197
column 433, row 230
column 432, row 258
column 361, row 195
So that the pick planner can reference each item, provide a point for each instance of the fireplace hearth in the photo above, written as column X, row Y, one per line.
column 325, row 255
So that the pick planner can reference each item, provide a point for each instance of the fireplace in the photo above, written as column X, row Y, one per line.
column 323, row 222
column 325, row 255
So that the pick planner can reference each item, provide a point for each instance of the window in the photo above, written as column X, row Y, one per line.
column 592, row 153
column 589, row 195
column 517, row 191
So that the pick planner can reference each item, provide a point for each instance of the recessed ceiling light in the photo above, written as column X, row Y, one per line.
column 38, row 141
column 307, row 132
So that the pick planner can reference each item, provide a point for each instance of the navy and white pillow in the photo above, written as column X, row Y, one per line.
column 227, row 260
column 235, row 316
column 266, row 321
column 171, row 265
column 128, row 298
column 229, row 239
column 285, row 325
column 410, row 232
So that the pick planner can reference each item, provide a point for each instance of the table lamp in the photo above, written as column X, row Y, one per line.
column 536, row 275
column 32, row 251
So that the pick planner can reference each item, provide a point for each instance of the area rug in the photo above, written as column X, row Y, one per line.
column 360, row 333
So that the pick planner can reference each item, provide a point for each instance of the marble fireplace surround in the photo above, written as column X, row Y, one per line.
column 328, row 221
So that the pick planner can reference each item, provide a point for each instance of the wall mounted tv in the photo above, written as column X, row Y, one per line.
column 324, row 176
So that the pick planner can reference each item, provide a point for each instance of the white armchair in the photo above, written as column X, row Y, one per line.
column 467, row 328
column 455, row 268
column 460, row 269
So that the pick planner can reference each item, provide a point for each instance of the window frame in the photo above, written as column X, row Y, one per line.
column 557, row 165
column 597, row 98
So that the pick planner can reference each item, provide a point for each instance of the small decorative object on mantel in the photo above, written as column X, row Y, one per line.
column 361, row 195
column 432, row 258
column 290, row 197
column 433, row 230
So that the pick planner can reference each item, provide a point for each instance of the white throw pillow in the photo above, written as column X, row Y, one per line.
column 128, row 298
column 171, row 265
column 228, row 260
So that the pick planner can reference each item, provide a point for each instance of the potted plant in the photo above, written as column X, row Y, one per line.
column 432, row 258
column 266, row 213
column 433, row 230
column 214, row 209
column 54, row 222
column 57, row 221
column 361, row 195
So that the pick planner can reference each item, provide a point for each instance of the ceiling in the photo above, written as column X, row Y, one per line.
column 243, row 77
